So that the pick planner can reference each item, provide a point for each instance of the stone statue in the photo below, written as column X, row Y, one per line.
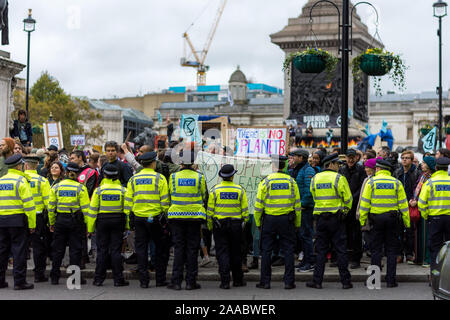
column 146, row 138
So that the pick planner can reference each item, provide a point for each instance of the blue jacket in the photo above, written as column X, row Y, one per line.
column 303, row 175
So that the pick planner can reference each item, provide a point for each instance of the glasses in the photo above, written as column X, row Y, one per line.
column 406, row 158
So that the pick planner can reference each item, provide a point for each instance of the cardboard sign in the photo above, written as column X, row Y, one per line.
column 53, row 135
column 249, row 175
column 260, row 142
column 78, row 140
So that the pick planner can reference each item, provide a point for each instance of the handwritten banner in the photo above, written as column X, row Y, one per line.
column 260, row 142
column 249, row 175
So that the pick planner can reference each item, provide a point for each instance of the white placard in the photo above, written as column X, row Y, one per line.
column 78, row 140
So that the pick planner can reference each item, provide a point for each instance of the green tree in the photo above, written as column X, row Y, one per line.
column 47, row 96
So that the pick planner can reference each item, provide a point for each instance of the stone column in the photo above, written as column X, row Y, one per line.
column 8, row 69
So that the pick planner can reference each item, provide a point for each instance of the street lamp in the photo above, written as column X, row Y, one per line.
column 29, row 25
column 440, row 11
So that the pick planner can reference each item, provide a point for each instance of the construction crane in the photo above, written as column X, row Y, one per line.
column 200, row 56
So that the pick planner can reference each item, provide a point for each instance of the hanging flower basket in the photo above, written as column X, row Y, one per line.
column 311, row 60
column 375, row 65
column 309, row 63
column 377, row 62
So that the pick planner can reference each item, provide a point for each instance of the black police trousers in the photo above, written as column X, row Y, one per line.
column 146, row 231
column 228, row 249
column 67, row 231
column 354, row 236
column 14, row 240
column 39, row 244
column 329, row 230
column 439, row 233
column 272, row 227
column 385, row 234
column 186, row 240
column 109, row 244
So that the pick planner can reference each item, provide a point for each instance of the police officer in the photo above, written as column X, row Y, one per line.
column 107, row 206
column 40, row 188
column 434, row 206
column 332, row 198
column 186, row 214
column 227, row 212
column 68, row 210
column 147, row 197
column 17, row 215
column 278, row 213
column 384, row 201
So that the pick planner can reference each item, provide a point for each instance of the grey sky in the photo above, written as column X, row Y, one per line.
column 124, row 48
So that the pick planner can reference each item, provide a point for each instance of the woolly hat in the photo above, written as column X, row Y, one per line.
column 371, row 163
column 431, row 163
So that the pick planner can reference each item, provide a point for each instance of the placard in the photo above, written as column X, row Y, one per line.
column 78, row 140
column 260, row 142
column 53, row 135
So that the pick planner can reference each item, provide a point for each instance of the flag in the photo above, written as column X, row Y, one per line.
column 367, row 130
column 230, row 99
column 159, row 117
column 429, row 141
column 189, row 128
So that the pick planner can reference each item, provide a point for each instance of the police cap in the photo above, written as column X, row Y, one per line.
column 300, row 152
column 14, row 160
column 148, row 157
column 31, row 158
column 384, row 164
column 443, row 162
column 72, row 166
column 111, row 170
column 334, row 157
column 227, row 171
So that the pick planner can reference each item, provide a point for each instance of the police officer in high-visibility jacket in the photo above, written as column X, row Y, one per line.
column 278, row 213
column 147, row 197
column 384, row 203
column 68, row 210
column 17, row 215
column 333, row 199
column 40, row 188
column 434, row 206
column 186, row 213
column 227, row 212
column 109, row 221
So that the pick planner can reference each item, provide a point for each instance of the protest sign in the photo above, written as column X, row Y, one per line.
column 249, row 175
column 189, row 128
column 260, row 142
column 53, row 135
column 77, row 140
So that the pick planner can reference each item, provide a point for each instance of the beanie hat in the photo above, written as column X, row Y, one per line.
column 371, row 163
column 431, row 163
column 10, row 143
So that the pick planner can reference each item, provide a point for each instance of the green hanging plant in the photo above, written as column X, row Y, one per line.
column 311, row 60
column 377, row 62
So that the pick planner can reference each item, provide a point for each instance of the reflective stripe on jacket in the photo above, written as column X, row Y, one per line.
column 383, row 193
column 40, row 188
column 147, row 194
column 16, row 197
column 67, row 197
column 277, row 195
column 187, row 195
column 107, row 199
column 434, row 199
column 227, row 200
column 331, row 192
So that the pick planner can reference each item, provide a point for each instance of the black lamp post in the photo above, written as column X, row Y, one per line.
column 29, row 25
column 440, row 11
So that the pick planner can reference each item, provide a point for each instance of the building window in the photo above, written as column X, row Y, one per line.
column 409, row 134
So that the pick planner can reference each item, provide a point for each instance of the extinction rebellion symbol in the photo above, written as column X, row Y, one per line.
column 189, row 126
